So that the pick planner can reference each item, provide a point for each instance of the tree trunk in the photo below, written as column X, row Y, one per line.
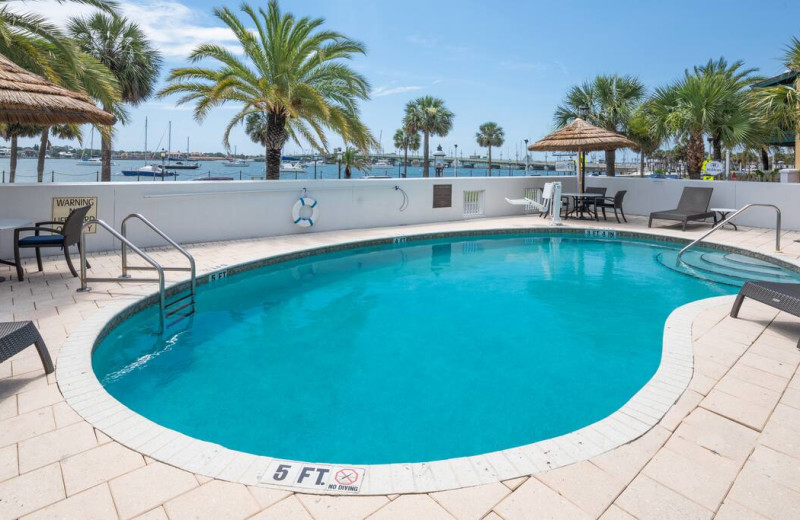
column 425, row 171
column 405, row 162
column 716, row 147
column 42, row 153
column 347, row 172
column 611, row 159
column 641, row 163
column 695, row 151
column 12, row 169
column 490, row 160
column 276, row 138
column 105, row 151
column 764, row 159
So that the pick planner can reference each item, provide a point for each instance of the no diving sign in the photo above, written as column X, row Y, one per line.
column 320, row 477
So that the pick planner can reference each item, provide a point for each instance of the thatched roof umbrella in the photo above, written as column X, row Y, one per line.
column 26, row 98
column 579, row 136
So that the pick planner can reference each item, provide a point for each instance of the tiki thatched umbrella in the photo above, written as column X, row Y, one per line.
column 579, row 136
column 28, row 99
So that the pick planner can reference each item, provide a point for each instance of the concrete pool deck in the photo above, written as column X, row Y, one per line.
column 729, row 447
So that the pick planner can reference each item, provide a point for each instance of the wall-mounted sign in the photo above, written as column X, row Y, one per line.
column 442, row 195
column 62, row 206
column 565, row 166
column 714, row 168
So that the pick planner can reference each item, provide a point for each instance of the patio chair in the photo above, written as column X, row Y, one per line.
column 614, row 203
column 589, row 203
column 67, row 234
column 16, row 336
column 780, row 295
column 692, row 206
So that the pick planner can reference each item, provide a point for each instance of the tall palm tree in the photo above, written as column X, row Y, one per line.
column 406, row 140
column 124, row 49
column 293, row 71
column 608, row 101
column 641, row 132
column 13, row 132
column 780, row 105
column 430, row 116
column 490, row 134
column 354, row 159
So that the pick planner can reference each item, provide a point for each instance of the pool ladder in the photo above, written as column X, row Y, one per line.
column 181, row 305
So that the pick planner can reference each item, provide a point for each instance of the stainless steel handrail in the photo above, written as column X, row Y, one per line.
column 125, row 268
column 147, row 258
column 777, row 227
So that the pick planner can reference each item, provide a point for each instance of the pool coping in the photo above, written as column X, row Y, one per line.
column 644, row 410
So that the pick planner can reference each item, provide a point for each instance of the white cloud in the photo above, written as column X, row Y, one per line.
column 174, row 28
column 390, row 91
column 423, row 41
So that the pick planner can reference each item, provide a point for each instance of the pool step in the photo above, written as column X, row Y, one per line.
column 725, row 268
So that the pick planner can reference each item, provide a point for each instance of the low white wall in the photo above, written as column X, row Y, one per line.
column 209, row 211
column 647, row 195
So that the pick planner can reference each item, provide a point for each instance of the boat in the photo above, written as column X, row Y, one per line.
column 90, row 161
column 180, row 165
column 235, row 163
column 289, row 167
column 149, row 170
column 382, row 164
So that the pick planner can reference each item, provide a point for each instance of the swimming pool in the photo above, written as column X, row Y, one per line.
column 412, row 352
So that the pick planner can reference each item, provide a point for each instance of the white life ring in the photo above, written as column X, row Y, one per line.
column 305, row 221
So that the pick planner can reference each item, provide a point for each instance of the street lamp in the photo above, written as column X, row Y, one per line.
column 455, row 161
column 438, row 160
column 526, row 157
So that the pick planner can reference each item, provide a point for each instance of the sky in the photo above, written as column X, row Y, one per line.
column 501, row 61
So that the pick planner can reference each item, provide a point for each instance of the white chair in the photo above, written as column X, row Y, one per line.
column 543, row 207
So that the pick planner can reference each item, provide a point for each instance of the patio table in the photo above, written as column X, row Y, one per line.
column 723, row 214
column 12, row 223
column 579, row 207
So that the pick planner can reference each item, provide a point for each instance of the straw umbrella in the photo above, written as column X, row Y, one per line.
column 579, row 136
column 28, row 99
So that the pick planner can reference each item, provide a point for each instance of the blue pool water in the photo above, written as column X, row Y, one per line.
column 407, row 353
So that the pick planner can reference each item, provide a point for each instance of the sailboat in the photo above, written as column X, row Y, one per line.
column 180, row 164
column 93, row 160
column 148, row 170
column 234, row 162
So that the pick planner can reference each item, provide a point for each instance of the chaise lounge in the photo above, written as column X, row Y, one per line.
column 782, row 296
column 692, row 206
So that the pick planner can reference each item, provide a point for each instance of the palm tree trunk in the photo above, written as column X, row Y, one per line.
column 611, row 159
column 695, row 150
column 641, row 163
column 276, row 138
column 105, row 151
column 42, row 153
column 716, row 147
column 273, row 164
column 12, row 169
column 490, row 160
column 405, row 162
column 764, row 159
column 425, row 171
column 347, row 172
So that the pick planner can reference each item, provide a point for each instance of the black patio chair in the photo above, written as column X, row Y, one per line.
column 588, row 204
column 67, row 234
column 614, row 203
column 16, row 336
column 780, row 295
column 692, row 206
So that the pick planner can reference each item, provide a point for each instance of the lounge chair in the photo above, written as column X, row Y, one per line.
column 16, row 336
column 692, row 206
column 614, row 203
column 64, row 235
column 782, row 296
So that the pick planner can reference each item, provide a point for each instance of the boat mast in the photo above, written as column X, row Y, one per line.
column 145, row 141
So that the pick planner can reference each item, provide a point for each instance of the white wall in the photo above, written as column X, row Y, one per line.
column 647, row 195
column 208, row 211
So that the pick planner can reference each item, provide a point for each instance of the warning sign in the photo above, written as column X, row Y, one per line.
column 62, row 206
column 321, row 477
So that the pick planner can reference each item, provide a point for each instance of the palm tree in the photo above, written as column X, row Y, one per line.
column 60, row 131
column 21, row 35
column 780, row 105
column 607, row 102
column 490, row 134
column 406, row 140
column 292, row 71
column 12, row 132
column 124, row 49
column 641, row 131
column 354, row 159
column 429, row 116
